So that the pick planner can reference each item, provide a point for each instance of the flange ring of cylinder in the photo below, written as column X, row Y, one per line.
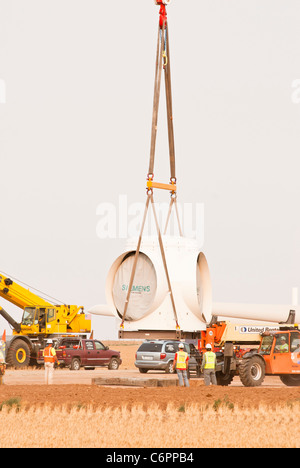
column 143, row 290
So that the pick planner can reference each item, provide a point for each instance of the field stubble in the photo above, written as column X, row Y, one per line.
column 91, row 416
column 219, row 425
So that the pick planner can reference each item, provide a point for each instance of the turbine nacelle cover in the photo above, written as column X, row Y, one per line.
column 150, row 298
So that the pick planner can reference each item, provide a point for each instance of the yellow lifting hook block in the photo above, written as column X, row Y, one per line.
column 151, row 184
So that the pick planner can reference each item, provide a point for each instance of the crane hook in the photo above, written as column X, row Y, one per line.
column 165, row 59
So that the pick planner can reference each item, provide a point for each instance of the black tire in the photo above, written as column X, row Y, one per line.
column 75, row 364
column 18, row 355
column 252, row 371
column 143, row 371
column 290, row 380
column 224, row 380
column 169, row 368
column 114, row 364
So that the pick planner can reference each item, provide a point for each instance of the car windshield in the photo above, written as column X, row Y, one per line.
column 151, row 347
column 266, row 345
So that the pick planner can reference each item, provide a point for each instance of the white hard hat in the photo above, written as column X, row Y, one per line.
column 208, row 346
column 181, row 345
column 49, row 341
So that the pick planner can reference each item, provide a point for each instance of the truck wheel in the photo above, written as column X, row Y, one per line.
column 224, row 380
column 75, row 364
column 252, row 371
column 290, row 380
column 18, row 355
column 113, row 364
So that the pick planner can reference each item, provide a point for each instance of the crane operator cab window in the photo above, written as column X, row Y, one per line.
column 282, row 343
column 51, row 315
column 266, row 345
column 41, row 318
column 295, row 342
column 29, row 316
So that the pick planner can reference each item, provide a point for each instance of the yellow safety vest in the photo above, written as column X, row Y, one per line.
column 284, row 348
column 210, row 360
column 181, row 360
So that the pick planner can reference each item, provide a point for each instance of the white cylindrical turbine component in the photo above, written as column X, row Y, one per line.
column 149, row 303
column 144, row 288
column 260, row 312
column 103, row 309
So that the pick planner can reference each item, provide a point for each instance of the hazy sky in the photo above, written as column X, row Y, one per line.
column 76, row 90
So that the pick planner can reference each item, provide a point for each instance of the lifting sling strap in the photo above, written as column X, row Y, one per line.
column 162, row 63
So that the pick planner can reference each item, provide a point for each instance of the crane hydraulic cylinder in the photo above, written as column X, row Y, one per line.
column 16, row 326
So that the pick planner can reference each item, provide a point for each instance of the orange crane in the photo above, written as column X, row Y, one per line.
column 274, row 352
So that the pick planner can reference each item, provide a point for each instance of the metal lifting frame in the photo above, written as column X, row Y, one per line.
column 162, row 63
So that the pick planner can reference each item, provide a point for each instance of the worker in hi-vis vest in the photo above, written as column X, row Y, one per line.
column 50, row 358
column 208, row 366
column 284, row 347
column 181, row 364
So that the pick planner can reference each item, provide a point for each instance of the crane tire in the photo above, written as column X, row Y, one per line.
column 18, row 355
column 290, row 380
column 224, row 380
column 252, row 371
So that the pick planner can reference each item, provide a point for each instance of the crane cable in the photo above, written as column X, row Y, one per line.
column 162, row 63
column 42, row 294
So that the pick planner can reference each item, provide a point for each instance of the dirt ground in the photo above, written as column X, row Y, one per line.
column 75, row 388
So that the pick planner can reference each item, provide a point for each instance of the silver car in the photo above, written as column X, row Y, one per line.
column 159, row 355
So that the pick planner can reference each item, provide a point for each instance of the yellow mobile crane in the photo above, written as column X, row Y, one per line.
column 41, row 319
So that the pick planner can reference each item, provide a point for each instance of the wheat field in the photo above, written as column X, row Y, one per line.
column 220, row 425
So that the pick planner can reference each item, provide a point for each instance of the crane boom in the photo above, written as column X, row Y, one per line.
column 18, row 295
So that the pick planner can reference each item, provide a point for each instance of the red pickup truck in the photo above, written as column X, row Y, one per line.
column 77, row 352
